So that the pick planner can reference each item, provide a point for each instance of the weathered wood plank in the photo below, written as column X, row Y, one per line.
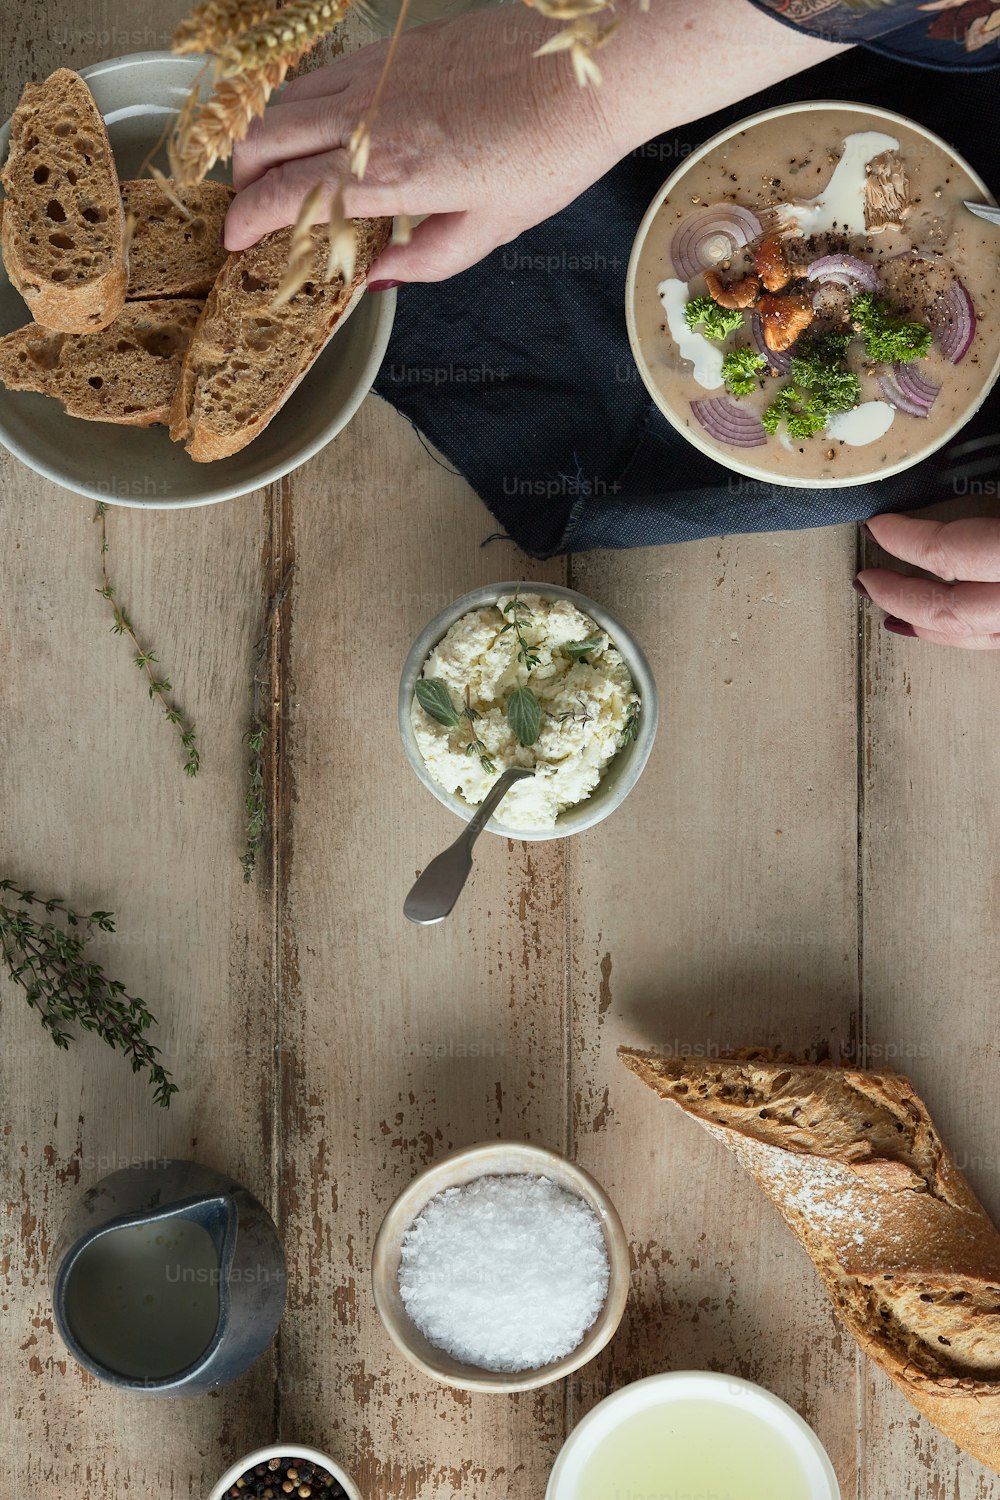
column 97, row 808
column 397, row 1043
column 717, row 909
column 931, row 898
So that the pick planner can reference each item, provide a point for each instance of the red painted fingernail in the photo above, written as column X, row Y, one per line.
column 383, row 286
column 861, row 589
column 898, row 627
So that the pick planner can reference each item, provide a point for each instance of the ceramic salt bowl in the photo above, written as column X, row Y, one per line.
column 168, row 1278
column 495, row 1159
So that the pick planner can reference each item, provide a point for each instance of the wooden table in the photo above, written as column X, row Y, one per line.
column 810, row 860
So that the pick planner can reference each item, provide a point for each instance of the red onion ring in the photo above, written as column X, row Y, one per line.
column 845, row 270
column 915, row 385
column 695, row 232
column 953, row 319
column 780, row 362
column 900, row 399
column 728, row 423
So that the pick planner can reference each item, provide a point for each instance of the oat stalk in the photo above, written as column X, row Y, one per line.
column 301, row 250
column 361, row 137
column 48, row 963
column 581, row 38
column 159, row 688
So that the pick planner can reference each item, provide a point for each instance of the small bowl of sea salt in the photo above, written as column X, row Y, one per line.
column 501, row 1268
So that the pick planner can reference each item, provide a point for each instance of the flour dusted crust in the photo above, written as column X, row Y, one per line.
column 247, row 357
column 906, row 1252
column 63, row 229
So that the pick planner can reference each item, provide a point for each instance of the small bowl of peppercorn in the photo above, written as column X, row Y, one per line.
column 286, row 1471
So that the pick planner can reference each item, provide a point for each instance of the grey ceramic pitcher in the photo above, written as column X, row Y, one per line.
column 168, row 1278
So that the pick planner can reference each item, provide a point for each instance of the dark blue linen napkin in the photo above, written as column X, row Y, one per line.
column 519, row 370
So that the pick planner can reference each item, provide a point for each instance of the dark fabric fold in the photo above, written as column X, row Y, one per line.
column 520, row 373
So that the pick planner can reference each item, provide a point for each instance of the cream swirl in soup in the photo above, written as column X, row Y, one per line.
column 812, row 301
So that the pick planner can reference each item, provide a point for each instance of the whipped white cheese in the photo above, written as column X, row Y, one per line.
column 584, row 708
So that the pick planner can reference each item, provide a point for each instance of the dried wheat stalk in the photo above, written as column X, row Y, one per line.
column 581, row 38
column 215, row 22
column 205, row 134
column 283, row 38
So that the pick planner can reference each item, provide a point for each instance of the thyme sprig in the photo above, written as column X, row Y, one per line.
column 64, row 987
column 146, row 661
column 475, row 745
column 581, row 715
column 520, row 615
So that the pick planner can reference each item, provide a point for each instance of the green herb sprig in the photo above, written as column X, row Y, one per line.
column 741, row 370
column 715, row 322
column 475, row 745
column 580, row 650
column 159, row 687
column 434, row 698
column 65, row 988
column 888, row 337
column 630, row 729
column 520, row 615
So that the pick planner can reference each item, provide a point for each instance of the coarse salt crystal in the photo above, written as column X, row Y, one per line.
column 506, row 1273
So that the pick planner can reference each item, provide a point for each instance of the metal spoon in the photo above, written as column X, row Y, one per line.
column 985, row 211
column 439, row 886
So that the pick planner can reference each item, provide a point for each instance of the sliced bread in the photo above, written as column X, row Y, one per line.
column 126, row 373
column 63, row 234
column 174, row 254
column 247, row 356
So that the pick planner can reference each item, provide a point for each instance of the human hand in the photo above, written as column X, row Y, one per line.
column 960, row 605
column 474, row 132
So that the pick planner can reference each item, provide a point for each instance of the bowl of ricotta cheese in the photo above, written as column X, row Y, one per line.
column 531, row 675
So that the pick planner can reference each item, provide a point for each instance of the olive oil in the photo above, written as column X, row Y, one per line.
column 692, row 1450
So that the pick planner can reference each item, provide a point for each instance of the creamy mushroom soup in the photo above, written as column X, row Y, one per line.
column 812, row 303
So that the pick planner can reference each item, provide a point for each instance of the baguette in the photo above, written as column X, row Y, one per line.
column 247, row 357
column 174, row 254
column 906, row 1252
column 63, row 232
column 125, row 374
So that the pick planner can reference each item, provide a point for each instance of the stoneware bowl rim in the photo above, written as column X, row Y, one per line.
column 140, row 466
column 467, row 1165
column 285, row 1450
column 627, row 766
column 734, row 463
column 682, row 1385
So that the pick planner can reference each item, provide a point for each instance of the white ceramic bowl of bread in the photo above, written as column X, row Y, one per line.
column 495, row 1159
column 624, row 770
column 137, row 96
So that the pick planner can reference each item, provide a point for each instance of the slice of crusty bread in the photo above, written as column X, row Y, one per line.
column 906, row 1252
column 126, row 374
column 63, row 234
column 247, row 356
column 173, row 254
